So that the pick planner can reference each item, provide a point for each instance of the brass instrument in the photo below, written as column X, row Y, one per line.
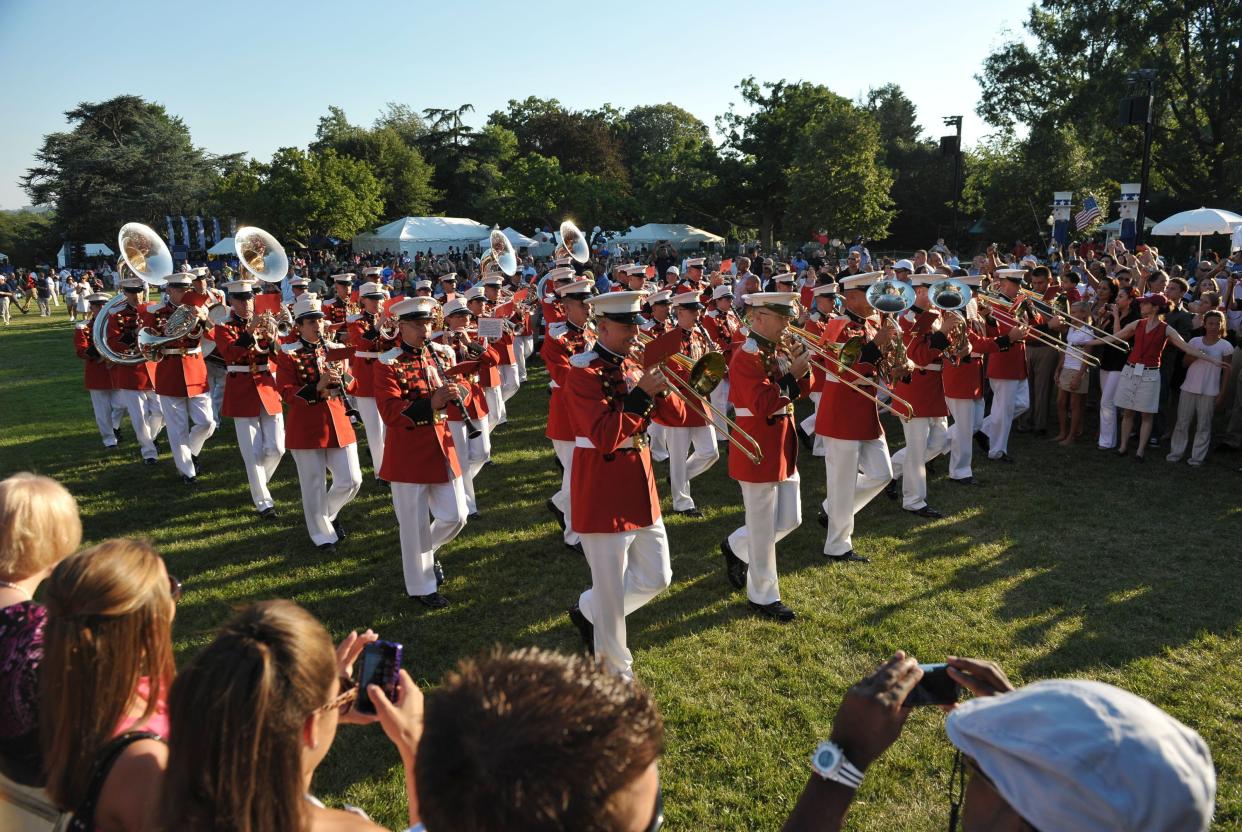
column 1047, row 309
column 573, row 243
column 1014, row 308
column 892, row 297
column 499, row 253
column 260, row 254
column 843, row 358
column 279, row 325
column 952, row 296
column 704, row 375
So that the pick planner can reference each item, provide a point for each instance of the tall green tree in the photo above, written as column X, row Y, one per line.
column 29, row 238
column 670, row 156
column 123, row 159
column 583, row 142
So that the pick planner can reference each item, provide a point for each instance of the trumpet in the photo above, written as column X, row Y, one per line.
column 704, row 376
column 842, row 359
column 1046, row 308
column 1013, row 308
column 278, row 325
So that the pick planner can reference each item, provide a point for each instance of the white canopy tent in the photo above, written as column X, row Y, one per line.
column 517, row 238
column 89, row 249
column 225, row 246
column 1198, row 223
column 414, row 234
column 677, row 234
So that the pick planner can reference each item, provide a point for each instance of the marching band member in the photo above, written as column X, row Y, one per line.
column 98, row 377
column 1006, row 371
column 472, row 451
column 317, row 429
column 856, row 455
column 616, row 510
column 489, row 377
column 422, row 289
column 508, row 361
column 422, row 465
column 135, row 383
column 927, row 430
column 573, row 336
column 524, row 334
column 549, row 304
column 823, row 309
column 689, row 427
column 448, row 289
column 722, row 325
column 250, row 395
column 216, row 372
column 297, row 288
column 694, row 274
column 784, row 282
column 768, row 379
column 339, row 307
column 367, row 343
column 657, row 323
column 181, row 382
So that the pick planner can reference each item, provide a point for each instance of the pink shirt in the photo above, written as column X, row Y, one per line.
column 157, row 722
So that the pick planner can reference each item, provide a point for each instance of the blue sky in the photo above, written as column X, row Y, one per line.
column 278, row 65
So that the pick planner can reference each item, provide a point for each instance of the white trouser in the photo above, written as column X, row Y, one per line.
column 43, row 310
column 927, row 437
column 508, row 380
column 4, row 309
column 189, row 422
column 140, row 404
column 523, row 345
column 1199, row 408
column 720, row 401
column 462, row 444
column 773, row 510
column 565, row 453
column 480, row 448
column 628, row 569
column 429, row 515
column 104, row 405
column 857, row 470
column 1011, row 398
column 527, row 344
column 216, row 375
column 684, row 466
column 261, row 440
column 659, row 449
column 495, row 407
column 808, row 425
column 967, row 416
column 321, row 503
column 375, row 430
column 1109, row 379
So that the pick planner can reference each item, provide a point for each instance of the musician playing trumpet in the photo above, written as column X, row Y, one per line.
column 251, row 399
column 368, row 342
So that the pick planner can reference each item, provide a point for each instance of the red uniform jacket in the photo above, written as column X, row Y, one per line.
column 564, row 340
column 335, row 311
column 476, row 404
column 98, row 376
column 313, row 420
column 418, row 446
column 251, row 392
column 364, row 337
column 1010, row 361
column 963, row 377
column 923, row 388
column 653, row 327
column 612, row 488
column 694, row 344
column 182, row 374
column 553, row 312
column 123, row 328
column 815, row 324
column 844, row 413
column 504, row 344
column 723, row 327
column 763, row 391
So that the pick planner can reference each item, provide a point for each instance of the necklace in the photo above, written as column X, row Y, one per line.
column 17, row 587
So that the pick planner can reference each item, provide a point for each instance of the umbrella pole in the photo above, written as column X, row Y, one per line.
column 1200, row 248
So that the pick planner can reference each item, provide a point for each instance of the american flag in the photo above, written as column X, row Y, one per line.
column 1090, row 213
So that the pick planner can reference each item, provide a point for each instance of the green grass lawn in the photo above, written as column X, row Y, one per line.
column 1068, row 563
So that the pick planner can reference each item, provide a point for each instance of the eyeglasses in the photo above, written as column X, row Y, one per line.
column 344, row 700
column 174, row 587
column 657, row 817
column 957, row 785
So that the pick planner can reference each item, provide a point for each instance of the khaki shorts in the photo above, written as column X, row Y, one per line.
column 1066, row 381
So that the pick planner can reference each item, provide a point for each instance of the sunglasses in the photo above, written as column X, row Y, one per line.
column 957, row 785
column 657, row 817
column 174, row 587
column 344, row 700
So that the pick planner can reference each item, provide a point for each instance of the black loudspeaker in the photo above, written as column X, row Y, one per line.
column 1134, row 110
column 948, row 146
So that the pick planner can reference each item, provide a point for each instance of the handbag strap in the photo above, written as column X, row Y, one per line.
column 84, row 815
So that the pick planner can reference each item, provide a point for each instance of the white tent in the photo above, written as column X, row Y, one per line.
column 3, row 257
column 89, row 250
column 676, row 233
column 414, row 234
column 517, row 238
column 1197, row 223
column 225, row 246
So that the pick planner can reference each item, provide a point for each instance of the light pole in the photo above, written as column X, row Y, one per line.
column 1148, row 77
column 955, row 121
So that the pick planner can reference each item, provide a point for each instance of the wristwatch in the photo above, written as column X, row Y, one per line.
column 829, row 762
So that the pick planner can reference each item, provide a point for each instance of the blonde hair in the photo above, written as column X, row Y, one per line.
column 109, row 623
column 39, row 525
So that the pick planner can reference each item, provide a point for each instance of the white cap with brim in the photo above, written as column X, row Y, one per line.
column 370, row 290
column 414, row 309
column 307, row 306
column 348, row 277
column 636, row 268
column 622, row 307
column 200, row 272
column 925, row 279
column 493, row 280
column 662, row 296
column 451, row 277
column 690, row 299
column 903, row 265
column 860, row 281
column 1084, row 756
column 782, row 302
column 456, row 306
column 560, row 273
column 826, row 289
column 98, row 297
column 371, row 271
column 239, row 287
column 422, row 284
column 181, row 279
column 785, row 277
column 299, row 281
column 1015, row 275
column 694, row 263
column 577, row 290
column 133, row 283
column 474, row 293
column 722, row 292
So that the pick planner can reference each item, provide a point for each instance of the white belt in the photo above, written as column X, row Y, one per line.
column 931, row 368
column 585, row 442
column 552, row 384
column 746, row 411
column 191, row 351
column 245, row 368
column 366, row 355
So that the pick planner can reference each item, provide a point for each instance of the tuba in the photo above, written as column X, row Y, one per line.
column 499, row 254
column 892, row 297
column 573, row 243
column 260, row 254
column 952, row 295
column 145, row 255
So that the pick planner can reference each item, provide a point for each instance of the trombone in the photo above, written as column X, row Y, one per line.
column 704, row 375
column 843, row 358
column 1046, row 308
column 1012, row 308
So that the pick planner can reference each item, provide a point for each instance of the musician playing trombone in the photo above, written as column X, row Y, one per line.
column 768, row 377
column 1007, row 369
column 368, row 342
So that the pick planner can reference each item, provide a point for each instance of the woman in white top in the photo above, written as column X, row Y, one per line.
column 1073, row 379
column 83, row 289
column 71, row 298
column 1202, row 391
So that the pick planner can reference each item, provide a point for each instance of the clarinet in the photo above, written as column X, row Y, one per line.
column 472, row 427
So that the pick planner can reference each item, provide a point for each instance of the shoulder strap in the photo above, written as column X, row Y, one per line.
column 84, row 815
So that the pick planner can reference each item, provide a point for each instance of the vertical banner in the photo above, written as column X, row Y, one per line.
column 1127, row 208
column 202, row 235
column 185, row 231
column 168, row 220
column 233, row 227
column 1061, row 217
column 215, row 230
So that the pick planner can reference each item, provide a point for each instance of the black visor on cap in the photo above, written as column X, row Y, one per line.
column 632, row 318
column 373, row 295
column 241, row 295
column 576, row 296
column 133, row 289
column 416, row 316
column 306, row 316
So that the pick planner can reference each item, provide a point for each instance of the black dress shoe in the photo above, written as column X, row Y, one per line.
column 577, row 547
column 926, row 511
column 149, row 461
column 197, row 464
column 735, row 567
column 473, row 516
column 269, row 513
column 981, row 439
column 433, row 601
column 585, row 628
column 849, row 557
column 966, row 481
column 340, row 530
column 559, row 465
column 688, row 512
column 189, row 480
column 775, row 611
column 1004, row 457
column 557, row 513
column 891, row 490
column 438, row 571
column 382, row 483
column 117, row 434
column 822, row 517
column 807, row 440
column 327, row 548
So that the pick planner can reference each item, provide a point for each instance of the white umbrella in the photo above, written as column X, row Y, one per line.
column 1197, row 223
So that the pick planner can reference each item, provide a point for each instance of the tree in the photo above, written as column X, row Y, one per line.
column 669, row 155
column 836, row 184
column 582, row 142
column 124, row 159
column 532, row 191
column 404, row 119
column 29, row 238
